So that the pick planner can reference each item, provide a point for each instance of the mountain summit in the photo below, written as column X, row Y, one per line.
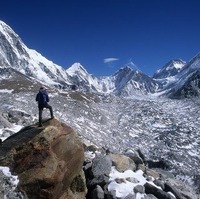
column 127, row 81
column 170, row 69
column 14, row 53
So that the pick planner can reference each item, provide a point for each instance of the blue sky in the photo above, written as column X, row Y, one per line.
column 104, row 35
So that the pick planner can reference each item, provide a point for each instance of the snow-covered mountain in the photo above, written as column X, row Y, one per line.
column 14, row 53
column 129, row 81
column 172, row 79
column 188, row 80
column 178, row 79
column 170, row 69
column 79, row 76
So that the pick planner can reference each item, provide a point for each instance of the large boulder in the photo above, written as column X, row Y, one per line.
column 48, row 161
column 122, row 162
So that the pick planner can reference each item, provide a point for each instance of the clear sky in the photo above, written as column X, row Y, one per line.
column 104, row 35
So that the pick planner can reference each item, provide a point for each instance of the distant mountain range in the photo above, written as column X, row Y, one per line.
column 176, row 79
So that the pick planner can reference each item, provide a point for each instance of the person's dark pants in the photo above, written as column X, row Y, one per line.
column 41, row 107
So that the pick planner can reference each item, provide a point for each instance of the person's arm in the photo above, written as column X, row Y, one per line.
column 36, row 99
column 47, row 97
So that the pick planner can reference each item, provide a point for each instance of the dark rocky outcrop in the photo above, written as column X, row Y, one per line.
column 48, row 161
column 189, row 89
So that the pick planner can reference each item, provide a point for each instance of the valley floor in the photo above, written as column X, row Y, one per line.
column 162, row 129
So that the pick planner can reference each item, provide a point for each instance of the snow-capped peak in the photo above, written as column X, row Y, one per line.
column 14, row 53
column 76, row 68
column 4, row 28
column 131, row 65
column 170, row 69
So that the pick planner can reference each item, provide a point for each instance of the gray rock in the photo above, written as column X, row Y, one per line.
column 170, row 188
column 183, row 189
column 98, row 193
column 122, row 162
column 18, row 117
column 130, row 196
column 159, row 183
column 4, row 123
column 101, row 166
column 150, row 196
column 120, row 180
column 98, row 180
column 132, row 179
column 139, row 189
column 160, row 194
column 134, row 155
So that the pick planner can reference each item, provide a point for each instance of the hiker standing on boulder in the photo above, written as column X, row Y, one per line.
column 42, row 98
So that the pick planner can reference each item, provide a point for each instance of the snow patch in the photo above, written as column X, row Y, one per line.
column 6, row 91
column 126, row 187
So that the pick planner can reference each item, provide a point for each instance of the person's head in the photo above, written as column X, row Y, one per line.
column 42, row 89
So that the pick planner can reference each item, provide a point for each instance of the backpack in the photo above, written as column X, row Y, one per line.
column 43, row 98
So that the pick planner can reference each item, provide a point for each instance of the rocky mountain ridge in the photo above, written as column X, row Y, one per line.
column 126, row 82
column 172, row 68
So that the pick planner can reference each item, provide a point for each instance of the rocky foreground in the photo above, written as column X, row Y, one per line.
column 52, row 162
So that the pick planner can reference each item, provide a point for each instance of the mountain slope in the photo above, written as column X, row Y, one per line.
column 187, row 81
column 14, row 53
column 79, row 76
column 127, row 82
column 172, row 68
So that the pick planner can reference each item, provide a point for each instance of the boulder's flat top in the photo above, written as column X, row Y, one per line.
column 23, row 136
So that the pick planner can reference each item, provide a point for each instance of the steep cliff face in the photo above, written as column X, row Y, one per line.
column 47, row 160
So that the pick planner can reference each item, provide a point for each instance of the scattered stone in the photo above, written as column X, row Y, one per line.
column 98, row 193
column 101, row 165
column 157, row 164
column 149, row 196
column 169, row 188
column 139, row 189
column 120, row 180
column 159, row 183
column 135, row 156
column 130, row 196
column 152, row 173
column 4, row 123
column 132, row 179
column 122, row 162
column 160, row 194
column 149, row 178
column 101, row 180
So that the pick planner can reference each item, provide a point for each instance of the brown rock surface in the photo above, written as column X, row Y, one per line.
column 48, row 161
column 122, row 162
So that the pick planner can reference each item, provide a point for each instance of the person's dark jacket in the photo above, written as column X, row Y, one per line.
column 42, row 98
